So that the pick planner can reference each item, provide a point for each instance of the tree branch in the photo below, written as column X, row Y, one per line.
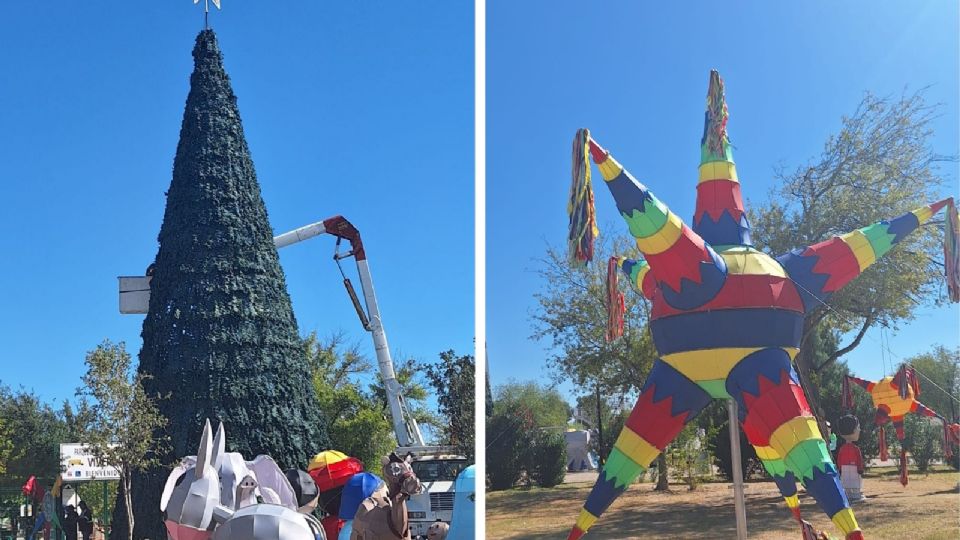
column 867, row 322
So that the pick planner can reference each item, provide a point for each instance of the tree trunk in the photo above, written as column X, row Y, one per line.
column 601, row 455
column 663, row 483
column 128, row 499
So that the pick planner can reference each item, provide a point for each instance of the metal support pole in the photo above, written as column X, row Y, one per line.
column 105, row 517
column 738, row 501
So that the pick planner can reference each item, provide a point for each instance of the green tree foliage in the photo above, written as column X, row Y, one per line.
column 453, row 381
column 124, row 419
column 92, row 494
column 940, row 385
column 358, row 413
column 355, row 417
column 35, row 431
column 689, row 455
column 509, row 438
column 545, row 406
column 519, row 434
column 723, row 456
column 572, row 319
column 414, row 386
column 878, row 166
column 6, row 445
column 30, row 434
column 546, row 462
column 220, row 333
column 923, row 439
column 940, row 380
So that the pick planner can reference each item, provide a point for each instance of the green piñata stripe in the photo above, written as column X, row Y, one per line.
column 647, row 222
column 807, row 455
column 621, row 468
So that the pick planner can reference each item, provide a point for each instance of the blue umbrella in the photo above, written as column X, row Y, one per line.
column 358, row 487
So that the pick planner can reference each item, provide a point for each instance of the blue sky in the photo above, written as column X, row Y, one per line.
column 636, row 75
column 363, row 109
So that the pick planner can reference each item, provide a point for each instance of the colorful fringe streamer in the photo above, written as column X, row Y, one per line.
column 615, row 305
column 951, row 251
column 907, row 378
column 583, row 214
column 715, row 132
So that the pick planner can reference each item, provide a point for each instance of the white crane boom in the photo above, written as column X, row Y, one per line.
column 404, row 425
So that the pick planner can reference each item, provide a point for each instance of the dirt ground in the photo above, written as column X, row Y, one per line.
column 928, row 508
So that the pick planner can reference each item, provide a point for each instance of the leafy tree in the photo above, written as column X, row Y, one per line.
column 723, row 456
column 878, row 166
column 572, row 318
column 220, row 332
column 35, row 431
column 6, row 445
column 545, row 407
column 75, row 422
column 123, row 418
column 356, row 420
column 509, row 437
column 453, row 381
column 939, row 380
column 522, row 435
column 689, row 454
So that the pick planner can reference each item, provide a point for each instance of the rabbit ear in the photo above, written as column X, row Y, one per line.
column 203, row 453
column 219, row 447
column 175, row 475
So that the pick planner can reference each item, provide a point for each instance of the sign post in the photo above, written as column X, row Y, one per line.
column 80, row 465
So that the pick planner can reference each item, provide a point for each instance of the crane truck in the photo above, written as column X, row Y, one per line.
column 436, row 466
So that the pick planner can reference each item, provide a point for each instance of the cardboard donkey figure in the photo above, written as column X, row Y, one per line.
column 383, row 515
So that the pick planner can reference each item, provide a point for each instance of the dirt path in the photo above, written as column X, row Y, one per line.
column 926, row 509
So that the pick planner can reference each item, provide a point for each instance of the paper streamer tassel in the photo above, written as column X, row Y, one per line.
column 951, row 251
column 583, row 214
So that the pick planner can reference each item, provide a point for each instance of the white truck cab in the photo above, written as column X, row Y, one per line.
column 437, row 468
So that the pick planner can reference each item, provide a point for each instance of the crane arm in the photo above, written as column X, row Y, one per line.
column 404, row 425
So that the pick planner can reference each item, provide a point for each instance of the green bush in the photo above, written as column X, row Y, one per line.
column 547, row 463
column 508, row 445
column 922, row 440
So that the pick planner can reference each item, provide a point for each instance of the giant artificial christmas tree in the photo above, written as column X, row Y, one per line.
column 220, row 336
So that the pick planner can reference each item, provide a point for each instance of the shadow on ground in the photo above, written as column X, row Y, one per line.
column 925, row 509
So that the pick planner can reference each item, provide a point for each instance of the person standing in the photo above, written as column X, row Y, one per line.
column 85, row 521
column 70, row 519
